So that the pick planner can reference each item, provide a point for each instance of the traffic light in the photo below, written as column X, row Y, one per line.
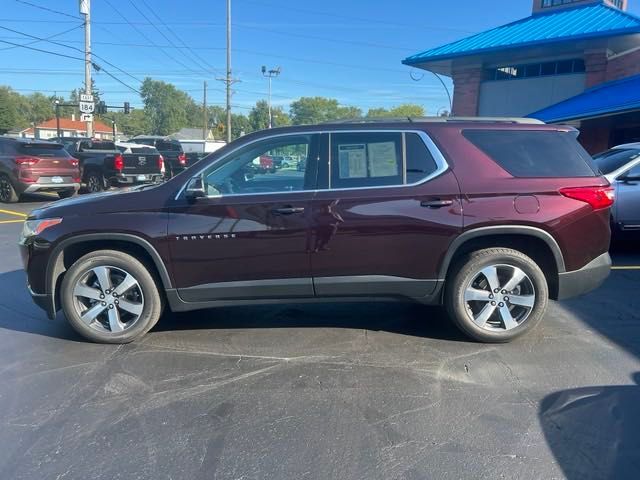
column 127, row 108
column 101, row 108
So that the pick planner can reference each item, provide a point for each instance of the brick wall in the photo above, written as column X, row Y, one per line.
column 624, row 66
column 595, row 135
column 466, row 83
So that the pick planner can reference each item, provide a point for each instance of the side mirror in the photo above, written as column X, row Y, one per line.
column 630, row 179
column 195, row 189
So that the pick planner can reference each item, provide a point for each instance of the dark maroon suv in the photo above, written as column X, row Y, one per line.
column 489, row 217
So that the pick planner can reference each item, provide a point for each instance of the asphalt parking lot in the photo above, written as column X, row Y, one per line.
column 355, row 391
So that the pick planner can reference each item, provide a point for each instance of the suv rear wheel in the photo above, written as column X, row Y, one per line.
column 496, row 295
column 7, row 192
column 110, row 297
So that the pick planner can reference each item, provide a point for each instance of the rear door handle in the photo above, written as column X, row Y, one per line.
column 436, row 203
column 288, row 210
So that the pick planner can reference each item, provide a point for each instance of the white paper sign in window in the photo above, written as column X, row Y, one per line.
column 383, row 159
column 352, row 160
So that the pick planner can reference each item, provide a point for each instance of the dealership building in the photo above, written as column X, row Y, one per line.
column 572, row 61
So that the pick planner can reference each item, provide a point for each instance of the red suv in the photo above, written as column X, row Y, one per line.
column 489, row 217
column 30, row 166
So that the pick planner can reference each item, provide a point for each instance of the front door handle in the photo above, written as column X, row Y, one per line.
column 288, row 210
column 436, row 203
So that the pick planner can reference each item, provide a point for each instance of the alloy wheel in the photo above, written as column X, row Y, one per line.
column 108, row 299
column 500, row 297
column 5, row 190
column 94, row 184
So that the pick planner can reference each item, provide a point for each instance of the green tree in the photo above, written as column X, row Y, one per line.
column 240, row 125
column 401, row 111
column 8, row 110
column 310, row 110
column 259, row 116
column 39, row 108
column 130, row 125
column 166, row 107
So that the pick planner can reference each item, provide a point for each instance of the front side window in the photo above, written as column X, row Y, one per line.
column 375, row 159
column 252, row 170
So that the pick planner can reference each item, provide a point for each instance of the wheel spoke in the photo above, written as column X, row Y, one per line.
column 114, row 320
column 91, row 314
column 85, row 291
column 523, row 300
column 104, row 279
column 126, row 284
column 507, row 319
column 484, row 315
column 514, row 281
column 474, row 294
column 134, row 308
column 491, row 274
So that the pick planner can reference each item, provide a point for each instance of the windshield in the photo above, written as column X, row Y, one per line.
column 612, row 160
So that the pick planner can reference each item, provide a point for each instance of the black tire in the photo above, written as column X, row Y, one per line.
column 468, row 268
column 66, row 193
column 94, row 182
column 153, row 303
column 7, row 192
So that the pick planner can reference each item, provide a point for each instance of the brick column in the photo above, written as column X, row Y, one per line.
column 595, row 62
column 595, row 135
column 624, row 66
column 466, row 82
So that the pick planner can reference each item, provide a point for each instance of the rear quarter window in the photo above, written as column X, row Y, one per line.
column 534, row 153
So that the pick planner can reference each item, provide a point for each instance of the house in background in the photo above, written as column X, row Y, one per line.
column 69, row 127
column 571, row 61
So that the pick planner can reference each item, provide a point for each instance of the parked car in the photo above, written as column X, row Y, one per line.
column 104, row 163
column 490, row 218
column 176, row 160
column 30, row 166
column 621, row 166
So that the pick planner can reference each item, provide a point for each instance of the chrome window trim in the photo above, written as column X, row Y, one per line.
column 441, row 164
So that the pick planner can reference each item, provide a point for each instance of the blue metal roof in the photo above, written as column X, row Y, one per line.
column 608, row 98
column 570, row 24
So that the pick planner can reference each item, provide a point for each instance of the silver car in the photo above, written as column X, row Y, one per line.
column 621, row 166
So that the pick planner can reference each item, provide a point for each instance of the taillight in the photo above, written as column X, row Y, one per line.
column 161, row 163
column 597, row 197
column 73, row 162
column 26, row 160
column 182, row 159
column 118, row 162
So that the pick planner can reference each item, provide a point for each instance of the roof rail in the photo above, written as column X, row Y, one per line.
column 529, row 121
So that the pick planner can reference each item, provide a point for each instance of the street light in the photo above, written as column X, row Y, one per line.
column 274, row 72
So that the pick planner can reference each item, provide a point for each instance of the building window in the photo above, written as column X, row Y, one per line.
column 530, row 70
column 556, row 3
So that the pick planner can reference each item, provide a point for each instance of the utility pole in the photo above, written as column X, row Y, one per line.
column 85, row 9
column 205, row 114
column 270, row 74
column 229, row 79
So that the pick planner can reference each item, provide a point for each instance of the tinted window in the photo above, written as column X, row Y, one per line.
column 94, row 145
column 634, row 172
column 420, row 162
column 252, row 170
column 612, row 160
column 534, row 153
column 42, row 149
column 144, row 141
column 366, row 159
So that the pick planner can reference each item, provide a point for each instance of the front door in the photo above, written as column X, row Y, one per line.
column 627, row 202
column 388, row 211
column 248, row 238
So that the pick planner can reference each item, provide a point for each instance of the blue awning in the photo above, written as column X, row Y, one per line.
column 610, row 98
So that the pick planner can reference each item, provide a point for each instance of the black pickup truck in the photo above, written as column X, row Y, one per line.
column 105, row 163
column 171, row 150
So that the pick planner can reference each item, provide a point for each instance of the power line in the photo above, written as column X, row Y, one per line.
column 40, row 7
column 47, row 38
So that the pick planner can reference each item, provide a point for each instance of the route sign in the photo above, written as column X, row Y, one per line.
column 86, row 117
column 87, row 107
column 86, row 98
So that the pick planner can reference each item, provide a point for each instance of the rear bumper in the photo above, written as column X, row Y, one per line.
column 588, row 278
column 50, row 187
column 134, row 179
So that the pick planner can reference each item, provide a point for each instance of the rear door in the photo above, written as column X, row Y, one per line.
column 628, row 199
column 387, row 212
column 249, row 238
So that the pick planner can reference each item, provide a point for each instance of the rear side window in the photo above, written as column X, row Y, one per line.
column 374, row 159
column 42, row 150
column 528, row 153
column 612, row 160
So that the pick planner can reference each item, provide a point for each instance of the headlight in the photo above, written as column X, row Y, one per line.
column 31, row 228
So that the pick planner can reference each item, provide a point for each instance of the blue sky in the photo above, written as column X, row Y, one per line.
column 345, row 49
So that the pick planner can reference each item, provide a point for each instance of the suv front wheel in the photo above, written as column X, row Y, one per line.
column 110, row 297
column 496, row 295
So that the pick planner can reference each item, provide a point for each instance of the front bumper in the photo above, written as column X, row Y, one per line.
column 44, row 301
column 51, row 187
column 588, row 278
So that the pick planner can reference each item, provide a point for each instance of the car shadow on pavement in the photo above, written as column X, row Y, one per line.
column 19, row 313
column 594, row 432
